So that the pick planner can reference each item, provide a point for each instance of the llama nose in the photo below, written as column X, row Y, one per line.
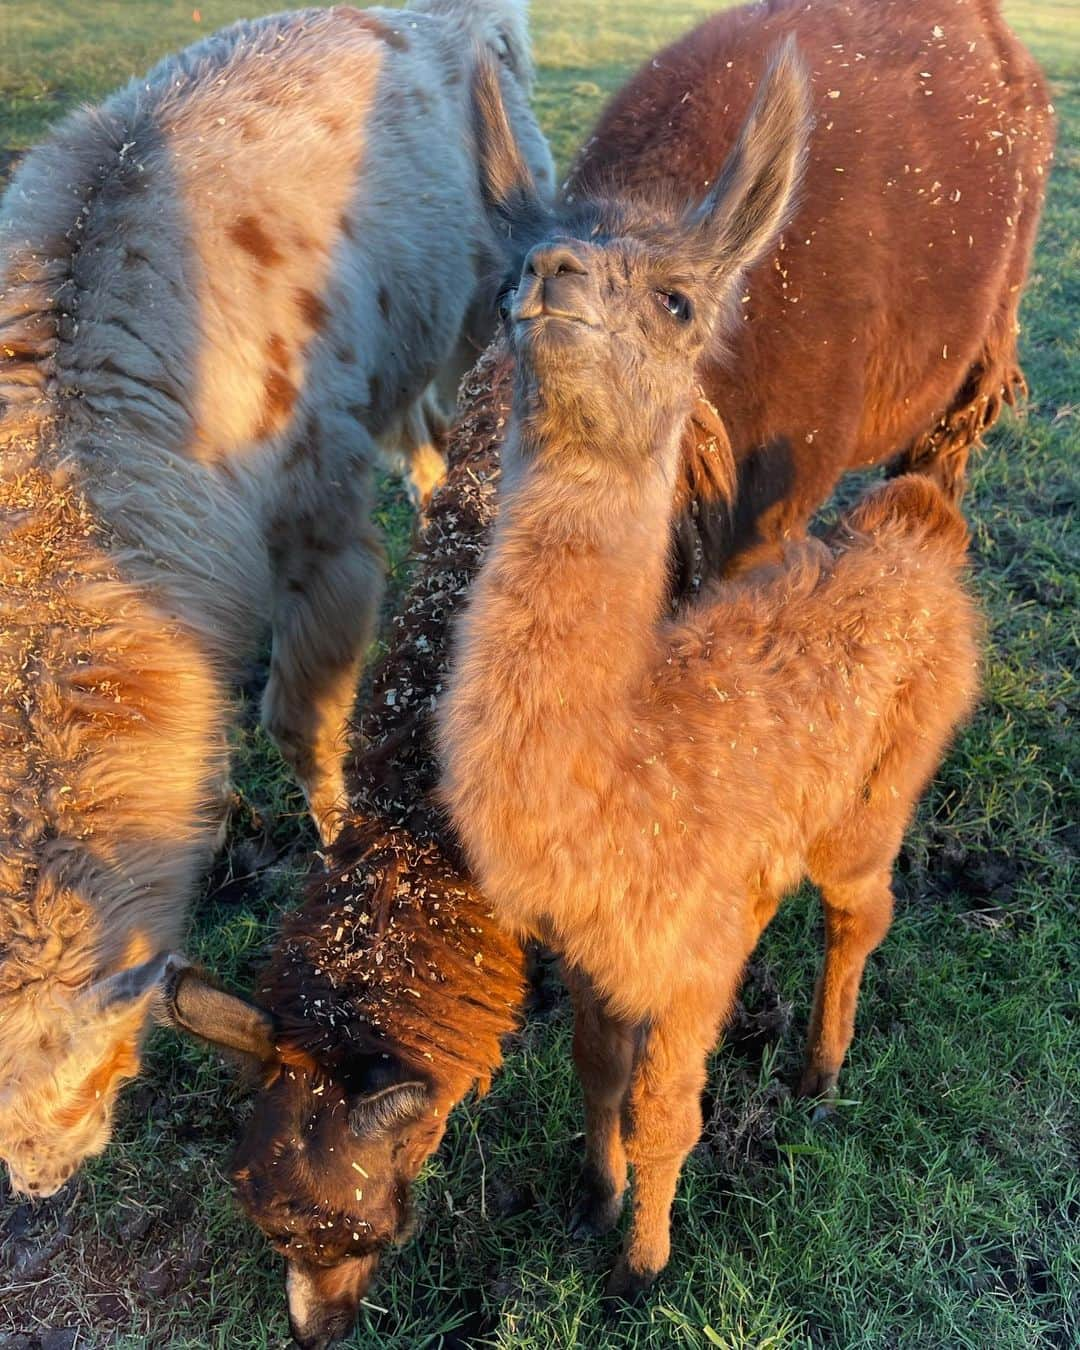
column 553, row 260
column 556, row 284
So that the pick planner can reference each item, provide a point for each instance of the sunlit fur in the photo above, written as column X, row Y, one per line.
column 882, row 323
column 216, row 290
column 388, row 995
column 639, row 791
column 349, row 1015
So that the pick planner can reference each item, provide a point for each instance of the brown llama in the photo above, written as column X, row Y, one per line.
column 336, row 992
column 216, row 291
column 640, row 792
column 882, row 324
column 390, row 989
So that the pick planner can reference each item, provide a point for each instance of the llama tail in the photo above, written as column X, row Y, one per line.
column 993, row 382
column 913, row 508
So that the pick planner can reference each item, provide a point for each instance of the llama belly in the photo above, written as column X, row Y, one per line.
column 619, row 915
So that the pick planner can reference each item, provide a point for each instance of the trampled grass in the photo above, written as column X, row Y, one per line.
column 941, row 1207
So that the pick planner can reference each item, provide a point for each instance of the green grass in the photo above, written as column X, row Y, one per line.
column 942, row 1207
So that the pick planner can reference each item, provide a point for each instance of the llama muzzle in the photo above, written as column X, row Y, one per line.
column 324, row 1301
column 556, row 284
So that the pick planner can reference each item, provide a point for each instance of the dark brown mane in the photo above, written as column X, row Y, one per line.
column 396, row 951
column 394, row 768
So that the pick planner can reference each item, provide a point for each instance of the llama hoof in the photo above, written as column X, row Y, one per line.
column 626, row 1285
column 599, row 1206
column 816, row 1083
column 594, row 1215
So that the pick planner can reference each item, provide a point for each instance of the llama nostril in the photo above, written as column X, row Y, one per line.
column 548, row 260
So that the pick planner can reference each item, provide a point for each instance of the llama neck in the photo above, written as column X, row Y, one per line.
column 561, row 628
column 397, row 952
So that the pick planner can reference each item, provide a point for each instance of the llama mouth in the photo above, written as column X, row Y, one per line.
column 557, row 328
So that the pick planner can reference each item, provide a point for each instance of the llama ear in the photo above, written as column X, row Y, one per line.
column 382, row 1111
column 513, row 53
column 120, row 992
column 203, row 1010
column 506, row 182
column 755, row 193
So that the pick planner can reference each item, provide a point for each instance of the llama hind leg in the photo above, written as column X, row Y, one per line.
column 328, row 568
column 857, row 917
column 852, row 866
column 603, row 1058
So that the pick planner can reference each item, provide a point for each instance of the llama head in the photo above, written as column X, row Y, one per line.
column 326, row 1165
column 501, row 26
column 500, row 31
column 608, row 304
column 64, row 1058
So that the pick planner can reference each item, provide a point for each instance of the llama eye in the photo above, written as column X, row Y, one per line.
column 503, row 302
column 676, row 304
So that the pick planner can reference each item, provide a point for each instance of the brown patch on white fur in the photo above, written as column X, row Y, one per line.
column 314, row 310
column 141, row 452
column 281, row 394
column 371, row 23
column 253, row 239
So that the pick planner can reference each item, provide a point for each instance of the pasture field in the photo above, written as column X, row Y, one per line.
column 941, row 1208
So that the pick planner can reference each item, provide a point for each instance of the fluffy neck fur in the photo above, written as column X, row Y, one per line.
column 579, row 565
column 557, row 651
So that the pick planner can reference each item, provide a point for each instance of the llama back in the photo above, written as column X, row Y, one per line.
column 890, row 637
column 895, row 594
column 917, row 540
column 140, row 201
column 911, row 511
column 847, row 649
column 112, row 740
column 219, row 307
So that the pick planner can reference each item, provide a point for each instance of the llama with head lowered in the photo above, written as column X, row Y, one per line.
column 217, row 291
column 390, row 989
column 641, row 791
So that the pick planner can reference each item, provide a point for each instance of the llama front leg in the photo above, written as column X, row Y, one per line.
column 413, row 448
column 603, row 1058
column 425, row 432
column 328, row 567
column 662, row 1123
column 857, row 917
